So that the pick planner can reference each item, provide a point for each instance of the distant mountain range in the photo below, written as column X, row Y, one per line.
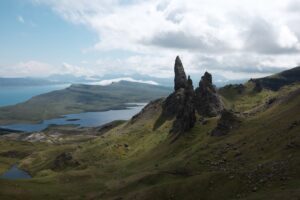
column 219, row 81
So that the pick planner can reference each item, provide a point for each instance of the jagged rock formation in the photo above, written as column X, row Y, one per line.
column 186, row 118
column 207, row 101
column 184, row 101
column 226, row 123
column 180, row 104
column 174, row 101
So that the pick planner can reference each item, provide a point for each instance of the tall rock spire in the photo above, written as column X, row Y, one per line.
column 180, row 104
column 207, row 101
column 186, row 117
column 180, row 77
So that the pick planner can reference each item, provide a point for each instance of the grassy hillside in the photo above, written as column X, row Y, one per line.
column 258, row 160
column 275, row 82
column 244, row 98
column 80, row 98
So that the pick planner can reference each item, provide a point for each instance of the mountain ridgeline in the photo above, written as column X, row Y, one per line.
column 275, row 82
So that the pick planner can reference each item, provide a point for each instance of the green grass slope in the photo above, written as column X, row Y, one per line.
column 258, row 160
column 80, row 98
column 255, row 92
column 275, row 82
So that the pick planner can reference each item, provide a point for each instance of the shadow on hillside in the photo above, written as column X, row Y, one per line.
column 159, row 122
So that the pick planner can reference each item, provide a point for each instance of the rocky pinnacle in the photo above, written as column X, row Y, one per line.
column 184, row 101
column 207, row 101
column 180, row 77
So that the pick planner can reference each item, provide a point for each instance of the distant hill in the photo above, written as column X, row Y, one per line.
column 275, row 82
column 4, row 131
column 81, row 98
column 254, row 92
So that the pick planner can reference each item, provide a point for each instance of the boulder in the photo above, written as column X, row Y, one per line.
column 63, row 161
column 226, row 123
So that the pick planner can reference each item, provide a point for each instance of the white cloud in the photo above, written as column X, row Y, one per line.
column 110, row 81
column 76, row 70
column 26, row 69
column 288, row 39
column 230, row 34
column 40, row 69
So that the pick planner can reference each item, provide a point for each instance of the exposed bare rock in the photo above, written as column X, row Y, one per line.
column 179, row 104
column 172, row 104
column 63, row 161
column 184, row 101
column 180, row 76
column 207, row 101
column 227, row 122
column 174, row 101
column 186, row 118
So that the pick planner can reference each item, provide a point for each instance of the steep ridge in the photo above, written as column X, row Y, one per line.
column 258, row 94
column 275, row 82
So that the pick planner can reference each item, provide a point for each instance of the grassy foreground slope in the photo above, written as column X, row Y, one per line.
column 80, row 98
column 258, row 160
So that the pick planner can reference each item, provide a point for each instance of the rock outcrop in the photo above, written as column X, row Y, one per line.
column 63, row 161
column 186, row 117
column 207, row 100
column 180, row 104
column 183, row 103
column 226, row 123
column 174, row 102
column 180, row 76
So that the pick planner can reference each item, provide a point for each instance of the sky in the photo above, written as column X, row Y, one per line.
column 235, row 39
